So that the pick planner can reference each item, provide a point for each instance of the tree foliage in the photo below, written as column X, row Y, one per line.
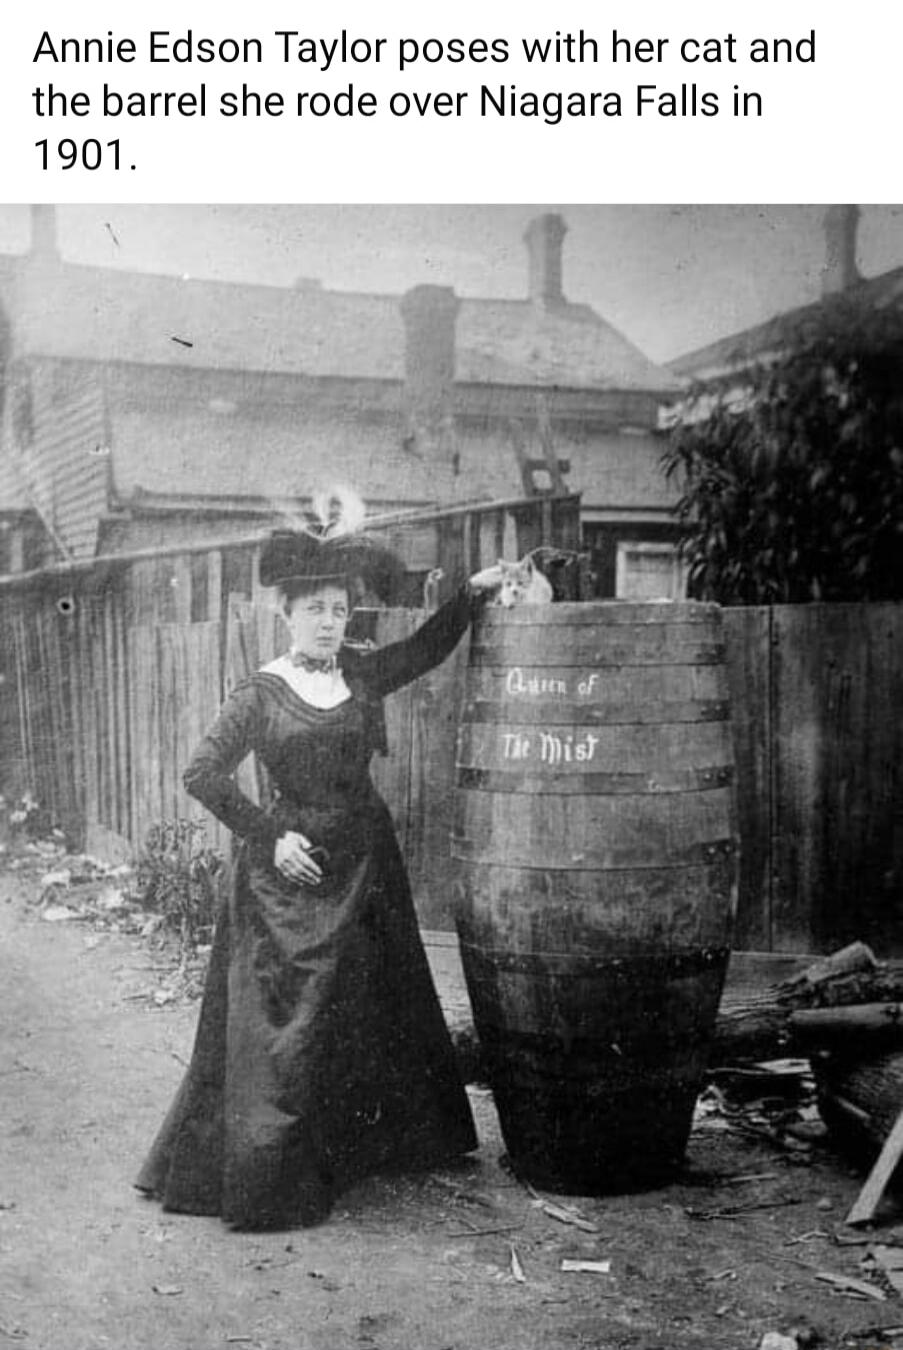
column 791, row 475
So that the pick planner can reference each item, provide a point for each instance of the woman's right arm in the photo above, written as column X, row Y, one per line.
column 209, row 778
column 209, row 775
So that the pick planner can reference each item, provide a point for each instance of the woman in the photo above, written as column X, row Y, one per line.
column 321, row 1052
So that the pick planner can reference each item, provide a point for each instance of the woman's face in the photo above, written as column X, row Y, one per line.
column 317, row 621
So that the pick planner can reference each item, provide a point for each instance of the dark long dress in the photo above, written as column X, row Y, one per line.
column 321, row 1053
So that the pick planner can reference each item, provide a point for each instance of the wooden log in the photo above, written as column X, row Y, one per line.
column 763, row 1025
column 860, row 1025
column 859, row 1100
column 754, row 1029
column 850, row 960
column 760, row 1023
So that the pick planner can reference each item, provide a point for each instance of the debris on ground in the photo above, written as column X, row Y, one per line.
column 814, row 1234
column 586, row 1267
column 737, row 1211
column 563, row 1213
column 517, row 1269
column 889, row 1261
column 81, row 888
column 807, row 1337
column 866, row 1338
column 60, row 914
column 774, row 1340
column 446, row 1237
column 90, row 889
column 710, row 1112
column 459, row 1191
column 850, row 1286
column 774, row 1101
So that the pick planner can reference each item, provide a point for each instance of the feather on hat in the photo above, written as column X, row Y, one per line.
column 330, row 546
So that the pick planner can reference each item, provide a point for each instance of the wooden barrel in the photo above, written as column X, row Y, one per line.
column 595, row 840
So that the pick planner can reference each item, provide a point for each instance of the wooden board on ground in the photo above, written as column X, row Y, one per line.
column 869, row 1197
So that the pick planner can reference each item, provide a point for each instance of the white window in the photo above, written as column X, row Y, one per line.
column 649, row 572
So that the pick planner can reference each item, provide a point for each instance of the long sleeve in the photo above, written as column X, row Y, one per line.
column 208, row 776
column 389, row 668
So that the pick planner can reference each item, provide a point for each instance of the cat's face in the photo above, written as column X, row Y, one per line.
column 522, row 584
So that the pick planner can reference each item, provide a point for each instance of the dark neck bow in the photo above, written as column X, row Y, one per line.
column 324, row 665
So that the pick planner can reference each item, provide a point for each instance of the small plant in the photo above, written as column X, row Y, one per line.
column 23, row 821
column 178, row 877
column 28, row 818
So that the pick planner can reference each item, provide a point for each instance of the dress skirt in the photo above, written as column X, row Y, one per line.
column 321, row 1053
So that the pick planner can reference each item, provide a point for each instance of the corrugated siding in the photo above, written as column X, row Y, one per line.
column 65, row 463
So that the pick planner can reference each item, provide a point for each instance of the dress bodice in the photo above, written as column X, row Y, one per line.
column 310, row 752
column 317, row 758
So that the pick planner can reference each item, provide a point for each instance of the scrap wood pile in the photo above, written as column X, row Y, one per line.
column 845, row 1013
column 840, row 1000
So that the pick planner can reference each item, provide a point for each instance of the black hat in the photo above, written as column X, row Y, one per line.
column 330, row 546
column 297, row 555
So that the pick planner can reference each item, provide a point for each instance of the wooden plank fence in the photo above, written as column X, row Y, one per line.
column 836, row 809
column 175, row 679
column 101, row 706
column 748, row 657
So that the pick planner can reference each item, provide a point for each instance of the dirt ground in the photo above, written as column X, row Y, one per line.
column 87, row 1066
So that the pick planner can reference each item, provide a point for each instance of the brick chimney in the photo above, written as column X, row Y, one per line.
column 544, row 236
column 429, row 314
column 840, row 270
column 44, row 245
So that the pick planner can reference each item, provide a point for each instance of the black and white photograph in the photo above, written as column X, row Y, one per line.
column 451, row 776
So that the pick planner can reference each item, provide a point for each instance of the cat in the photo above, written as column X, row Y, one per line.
column 522, row 584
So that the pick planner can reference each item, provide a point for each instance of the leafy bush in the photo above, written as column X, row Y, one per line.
column 179, row 878
column 792, row 474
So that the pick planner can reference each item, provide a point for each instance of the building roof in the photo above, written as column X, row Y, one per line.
column 764, row 339
column 231, row 396
column 100, row 314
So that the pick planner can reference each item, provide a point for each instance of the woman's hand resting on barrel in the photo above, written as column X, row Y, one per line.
column 487, row 579
column 293, row 860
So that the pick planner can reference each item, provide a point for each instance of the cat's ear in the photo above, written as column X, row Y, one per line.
column 528, row 565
